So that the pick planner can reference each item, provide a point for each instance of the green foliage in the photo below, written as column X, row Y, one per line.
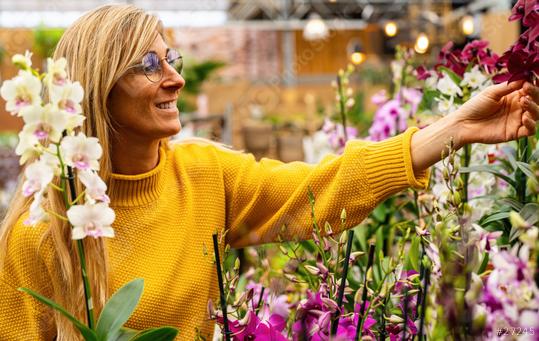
column 197, row 73
column 118, row 309
column 115, row 313
column 46, row 39
column 89, row 335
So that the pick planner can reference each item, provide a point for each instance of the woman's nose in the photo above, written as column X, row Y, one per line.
column 171, row 77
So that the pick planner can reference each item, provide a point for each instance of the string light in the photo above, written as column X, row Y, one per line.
column 422, row 43
column 390, row 29
column 467, row 25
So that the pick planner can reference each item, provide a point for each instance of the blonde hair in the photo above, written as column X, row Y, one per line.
column 99, row 48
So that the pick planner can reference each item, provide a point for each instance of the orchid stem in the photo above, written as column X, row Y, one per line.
column 221, row 287
column 82, row 257
column 342, row 286
column 341, row 107
column 405, row 315
column 88, row 302
column 57, row 215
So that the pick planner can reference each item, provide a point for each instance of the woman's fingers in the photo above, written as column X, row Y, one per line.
column 532, row 91
column 531, row 107
column 527, row 128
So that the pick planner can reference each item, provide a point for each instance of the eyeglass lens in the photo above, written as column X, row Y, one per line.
column 152, row 66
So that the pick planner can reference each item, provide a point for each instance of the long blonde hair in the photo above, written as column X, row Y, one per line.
column 99, row 48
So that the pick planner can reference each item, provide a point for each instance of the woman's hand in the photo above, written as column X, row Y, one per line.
column 499, row 113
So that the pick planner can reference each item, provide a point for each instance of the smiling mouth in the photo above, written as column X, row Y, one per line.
column 166, row 105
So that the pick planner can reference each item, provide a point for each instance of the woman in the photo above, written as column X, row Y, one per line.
column 170, row 199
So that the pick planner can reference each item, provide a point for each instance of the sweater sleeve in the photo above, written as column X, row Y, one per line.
column 269, row 198
column 21, row 316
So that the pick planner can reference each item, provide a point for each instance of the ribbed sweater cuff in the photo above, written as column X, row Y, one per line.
column 389, row 166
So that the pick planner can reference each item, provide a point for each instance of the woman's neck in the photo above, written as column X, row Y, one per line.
column 131, row 157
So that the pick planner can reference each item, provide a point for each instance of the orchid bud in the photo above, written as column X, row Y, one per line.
column 315, row 238
column 343, row 237
column 330, row 304
column 355, row 255
column 328, row 229
column 479, row 317
column 237, row 264
column 283, row 250
column 343, row 215
column 211, row 309
column 350, row 103
column 341, row 73
column 334, row 84
column 350, row 68
column 456, row 198
column 291, row 278
column 395, row 319
column 313, row 270
column 322, row 268
column 517, row 220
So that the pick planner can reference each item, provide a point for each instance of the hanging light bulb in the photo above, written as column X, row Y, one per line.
column 467, row 25
column 355, row 50
column 422, row 43
column 316, row 28
column 391, row 29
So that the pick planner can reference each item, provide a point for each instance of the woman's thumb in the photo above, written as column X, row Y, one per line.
column 499, row 90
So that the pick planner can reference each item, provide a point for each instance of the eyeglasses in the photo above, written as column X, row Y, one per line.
column 152, row 65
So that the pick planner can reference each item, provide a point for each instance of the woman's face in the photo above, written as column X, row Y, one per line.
column 145, row 111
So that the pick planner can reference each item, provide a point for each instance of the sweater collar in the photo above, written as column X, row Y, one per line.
column 139, row 189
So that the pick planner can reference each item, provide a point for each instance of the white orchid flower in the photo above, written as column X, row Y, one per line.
column 44, row 122
column 446, row 106
column 56, row 72
column 36, row 212
column 38, row 176
column 81, row 152
column 68, row 97
column 91, row 220
column 474, row 79
column 27, row 147
column 95, row 186
column 448, row 87
column 23, row 61
column 21, row 91
column 50, row 158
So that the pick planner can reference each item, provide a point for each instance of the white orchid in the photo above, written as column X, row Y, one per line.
column 81, row 152
column 44, row 122
column 21, row 91
column 91, row 220
column 445, row 105
column 56, row 72
column 23, row 61
column 95, row 186
column 447, row 87
column 474, row 79
column 38, row 176
column 27, row 147
column 68, row 97
column 36, row 212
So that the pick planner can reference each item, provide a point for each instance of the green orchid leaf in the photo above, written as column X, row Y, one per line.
column 454, row 77
column 495, row 217
column 526, row 169
column 87, row 333
column 118, row 309
column 126, row 334
column 491, row 170
column 530, row 213
column 157, row 334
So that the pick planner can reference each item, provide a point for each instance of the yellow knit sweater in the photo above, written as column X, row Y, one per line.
column 165, row 218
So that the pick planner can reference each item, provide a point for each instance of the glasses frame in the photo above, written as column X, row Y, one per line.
column 160, row 65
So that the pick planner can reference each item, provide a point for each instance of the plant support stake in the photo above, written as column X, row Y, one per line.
column 364, row 294
column 340, row 296
column 221, row 286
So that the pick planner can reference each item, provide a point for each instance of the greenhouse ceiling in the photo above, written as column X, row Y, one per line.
column 186, row 13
